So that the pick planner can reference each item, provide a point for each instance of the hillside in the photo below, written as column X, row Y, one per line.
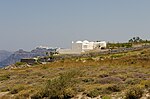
column 4, row 54
column 18, row 55
column 112, row 76
column 15, row 57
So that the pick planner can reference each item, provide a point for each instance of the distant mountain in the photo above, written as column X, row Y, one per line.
column 18, row 55
column 4, row 54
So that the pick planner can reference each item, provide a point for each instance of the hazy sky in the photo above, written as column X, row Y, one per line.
column 25, row 24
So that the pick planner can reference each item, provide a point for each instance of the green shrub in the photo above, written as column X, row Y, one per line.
column 16, row 89
column 114, row 88
column 132, row 81
column 134, row 93
column 93, row 93
column 4, row 77
column 146, row 83
column 60, row 87
column 142, row 52
column 21, row 96
column 106, row 97
column 19, row 63
column 116, row 55
column 36, row 96
column 88, row 80
column 109, row 80
column 111, row 88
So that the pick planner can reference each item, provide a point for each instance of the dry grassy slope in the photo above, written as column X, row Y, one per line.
column 98, row 74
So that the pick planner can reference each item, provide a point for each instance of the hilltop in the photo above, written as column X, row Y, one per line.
column 115, row 75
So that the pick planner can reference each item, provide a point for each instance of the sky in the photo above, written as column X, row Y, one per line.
column 25, row 24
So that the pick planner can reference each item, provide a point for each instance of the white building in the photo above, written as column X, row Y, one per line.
column 85, row 45
column 82, row 46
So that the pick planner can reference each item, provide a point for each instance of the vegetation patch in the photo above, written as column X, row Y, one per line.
column 16, row 89
column 109, row 78
column 19, row 63
column 4, row 77
column 60, row 87
column 94, row 93
column 135, row 92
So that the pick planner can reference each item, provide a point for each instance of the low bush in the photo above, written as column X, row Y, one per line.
column 132, row 81
column 103, row 75
column 104, row 90
column 4, row 77
column 116, row 56
column 60, row 87
column 134, row 93
column 22, row 96
column 108, row 89
column 19, row 63
column 93, row 93
column 16, row 89
column 146, row 83
column 114, row 88
column 109, row 80
column 106, row 97
column 88, row 80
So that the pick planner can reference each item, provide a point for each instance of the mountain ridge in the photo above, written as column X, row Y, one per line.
column 18, row 55
column 4, row 54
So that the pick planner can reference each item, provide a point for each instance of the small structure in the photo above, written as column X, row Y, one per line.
column 29, row 61
column 46, row 59
column 82, row 46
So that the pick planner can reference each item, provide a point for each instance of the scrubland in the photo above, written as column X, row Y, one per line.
column 112, row 76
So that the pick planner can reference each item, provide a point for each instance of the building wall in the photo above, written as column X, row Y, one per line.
column 101, row 44
column 68, row 51
column 77, row 47
column 87, row 46
column 29, row 61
